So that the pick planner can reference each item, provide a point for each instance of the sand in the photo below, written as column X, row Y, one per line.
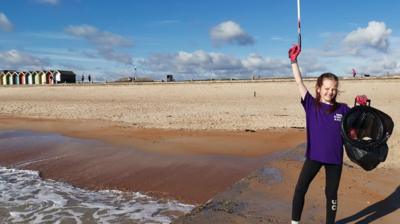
column 192, row 124
column 206, row 106
column 363, row 197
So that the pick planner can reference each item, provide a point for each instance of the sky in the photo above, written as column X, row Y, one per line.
column 193, row 39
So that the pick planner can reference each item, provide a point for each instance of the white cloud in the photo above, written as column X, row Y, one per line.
column 14, row 59
column 258, row 62
column 230, row 32
column 50, row 2
column 196, row 63
column 105, row 42
column 5, row 24
column 375, row 36
column 206, row 61
column 49, row 35
column 311, row 65
column 367, row 49
column 110, row 54
column 199, row 64
column 380, row 66
column 98, row 37
column 195, row 58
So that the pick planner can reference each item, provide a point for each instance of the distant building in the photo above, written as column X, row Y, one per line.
column 143, row 79
column 170, row 78
column 124, row 79
column 134, row 79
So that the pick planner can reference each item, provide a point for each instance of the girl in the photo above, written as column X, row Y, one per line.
column 324, row 142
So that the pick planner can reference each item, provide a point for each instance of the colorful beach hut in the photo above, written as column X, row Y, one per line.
column 42, row 77
column 49, row 76
column 21, row 78
column 2, row 77
column 36, row 77
column 8, row 78
column 28, row 78
column 14, row 78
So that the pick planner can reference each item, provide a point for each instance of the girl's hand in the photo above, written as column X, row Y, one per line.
column 362, row 100
column 294, row 52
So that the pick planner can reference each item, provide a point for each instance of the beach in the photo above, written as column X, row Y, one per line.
column 193, row 106
column 209, row 144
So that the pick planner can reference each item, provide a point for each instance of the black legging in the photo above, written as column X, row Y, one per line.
column 308, row 172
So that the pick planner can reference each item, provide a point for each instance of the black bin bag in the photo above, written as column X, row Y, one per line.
column 365, row 131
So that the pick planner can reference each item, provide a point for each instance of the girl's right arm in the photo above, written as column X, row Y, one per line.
column 299, row 81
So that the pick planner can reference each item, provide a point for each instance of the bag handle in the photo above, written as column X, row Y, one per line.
column 362, row 100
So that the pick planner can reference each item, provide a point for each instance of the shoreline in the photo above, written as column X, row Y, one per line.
column 213, row 81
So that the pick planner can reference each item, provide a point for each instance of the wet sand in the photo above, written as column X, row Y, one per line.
column 191, row 166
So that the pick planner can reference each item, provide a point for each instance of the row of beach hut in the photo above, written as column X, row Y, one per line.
column 12, row 77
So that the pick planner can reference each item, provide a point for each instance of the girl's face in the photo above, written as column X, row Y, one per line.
column 328, row 90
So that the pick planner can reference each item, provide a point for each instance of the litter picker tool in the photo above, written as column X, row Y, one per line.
column 298, row 24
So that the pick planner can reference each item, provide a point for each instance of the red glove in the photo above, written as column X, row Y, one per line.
column 362, row 100
column 294, row 52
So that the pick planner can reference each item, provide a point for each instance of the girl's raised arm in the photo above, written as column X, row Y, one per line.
column 293, row 53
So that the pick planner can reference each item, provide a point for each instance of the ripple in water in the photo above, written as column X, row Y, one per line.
column 26, row 198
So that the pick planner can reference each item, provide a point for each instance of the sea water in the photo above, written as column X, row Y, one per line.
column 27, row 198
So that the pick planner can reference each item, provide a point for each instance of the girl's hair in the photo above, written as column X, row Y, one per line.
column 318, row 85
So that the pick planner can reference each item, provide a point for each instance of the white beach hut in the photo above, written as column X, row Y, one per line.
column 57, row 77
column 38, row 77
column 42, row 75
column 8, row 78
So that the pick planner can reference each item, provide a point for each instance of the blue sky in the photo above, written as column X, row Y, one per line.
column 198, row 39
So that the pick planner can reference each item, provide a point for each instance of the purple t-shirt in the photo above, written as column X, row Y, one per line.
column 324, row 142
